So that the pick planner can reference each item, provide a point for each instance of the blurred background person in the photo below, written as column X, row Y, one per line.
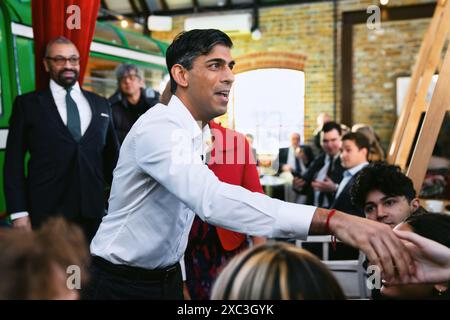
column 276, row 271
column 295, row 158
column 321, row 119
column 132, row 98
column 321, row 180
column 34, row 265
column 376, row 152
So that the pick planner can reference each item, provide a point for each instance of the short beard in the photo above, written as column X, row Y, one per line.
column 67, row 82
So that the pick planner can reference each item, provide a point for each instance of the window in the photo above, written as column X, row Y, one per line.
column 269, row 104
column 100, row 76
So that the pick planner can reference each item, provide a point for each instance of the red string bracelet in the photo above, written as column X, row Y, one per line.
column 333, row 238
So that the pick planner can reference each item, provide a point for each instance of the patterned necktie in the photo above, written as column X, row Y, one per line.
column 73, row 117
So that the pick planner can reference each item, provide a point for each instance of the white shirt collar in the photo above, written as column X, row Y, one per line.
column 356, row 169
column 56, row 88
column 194, row 125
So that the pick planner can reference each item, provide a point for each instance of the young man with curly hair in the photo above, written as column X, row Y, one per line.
column 385, row 194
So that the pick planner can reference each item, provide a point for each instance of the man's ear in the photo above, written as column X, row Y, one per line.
column 46, row 66
column 180, row 75
column 415, row 204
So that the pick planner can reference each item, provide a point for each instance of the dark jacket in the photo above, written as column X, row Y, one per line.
column 125, row 114
column 283, row 157
column 311, row 174
column 344, row 202
column 64, row 176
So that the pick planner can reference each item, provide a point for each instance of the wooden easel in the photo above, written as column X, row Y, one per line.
column 415, row 101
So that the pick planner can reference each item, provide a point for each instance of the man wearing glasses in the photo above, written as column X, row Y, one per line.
column 131, row 99
column 73, row 148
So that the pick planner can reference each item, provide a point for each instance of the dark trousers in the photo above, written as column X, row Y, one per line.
column 110, row 281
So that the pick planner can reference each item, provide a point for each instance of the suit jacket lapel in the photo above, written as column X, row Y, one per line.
column 49, row 106
column 95, row 115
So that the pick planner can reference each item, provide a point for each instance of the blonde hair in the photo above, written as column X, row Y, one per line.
column 276, row 271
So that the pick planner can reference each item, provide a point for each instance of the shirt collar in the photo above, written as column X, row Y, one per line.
column 56, row 88
column 355, row 170
column 192, row 125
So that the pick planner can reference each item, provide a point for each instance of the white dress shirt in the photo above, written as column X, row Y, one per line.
column 160, row 181
column 59, row 96
column 348, row 175
column 321, row 175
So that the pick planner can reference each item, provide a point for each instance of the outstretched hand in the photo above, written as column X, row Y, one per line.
column 432, row 259
column 380, row 244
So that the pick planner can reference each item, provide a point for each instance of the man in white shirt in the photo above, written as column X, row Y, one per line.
column 73, row 148
column 161, row 180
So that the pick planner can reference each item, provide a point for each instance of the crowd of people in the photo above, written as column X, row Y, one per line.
column 184, row 197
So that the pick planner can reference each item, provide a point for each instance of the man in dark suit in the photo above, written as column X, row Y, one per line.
column 355, row 150
column 321, row 180
column 295, row 158
column 73, row 148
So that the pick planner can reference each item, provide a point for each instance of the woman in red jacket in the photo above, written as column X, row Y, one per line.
column 210, row 248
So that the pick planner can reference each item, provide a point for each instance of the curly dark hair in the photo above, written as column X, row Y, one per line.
column 386, row 178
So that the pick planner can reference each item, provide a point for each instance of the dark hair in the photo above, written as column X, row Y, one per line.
column 276, row 271
column 434, row 226
column 359, row 139
column 386, row 178
column 57, row 40
column 327, row 127
column 189, row 45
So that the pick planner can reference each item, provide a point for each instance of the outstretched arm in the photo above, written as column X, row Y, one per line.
column 381, row 246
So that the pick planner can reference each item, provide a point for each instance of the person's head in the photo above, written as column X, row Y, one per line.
column 62, row 61
column 250, row 138
column 200, row 66
column 130, row 79
column 376, row 152
column 436, row 227
column 330, row 138
column 35, row 265
column 384, row 193
column 322, row 118
column 295, row 139
column 276, row 271
column 355, row 149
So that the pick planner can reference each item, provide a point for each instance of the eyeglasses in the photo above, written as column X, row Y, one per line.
column 61, row 61
column 131, row 77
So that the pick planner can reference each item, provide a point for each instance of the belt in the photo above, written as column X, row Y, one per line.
column 135, row 273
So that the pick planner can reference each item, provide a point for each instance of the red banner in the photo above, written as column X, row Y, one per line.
column 73, row 19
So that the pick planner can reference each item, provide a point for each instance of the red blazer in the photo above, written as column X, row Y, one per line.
column 232, row 172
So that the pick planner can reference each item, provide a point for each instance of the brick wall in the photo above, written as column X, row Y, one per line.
column 308, row 32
